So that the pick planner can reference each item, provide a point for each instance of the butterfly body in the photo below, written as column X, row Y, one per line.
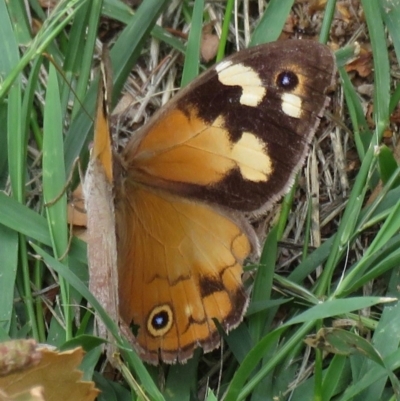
column 226, row 146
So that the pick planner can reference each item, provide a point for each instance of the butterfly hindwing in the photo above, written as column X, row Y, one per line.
column 180, row 266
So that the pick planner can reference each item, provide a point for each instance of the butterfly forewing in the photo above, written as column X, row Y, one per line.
column 237, row 135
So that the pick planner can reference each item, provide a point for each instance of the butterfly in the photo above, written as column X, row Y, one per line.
column 168, row 216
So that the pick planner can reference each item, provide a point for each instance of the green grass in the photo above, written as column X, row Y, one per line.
column 353, row 275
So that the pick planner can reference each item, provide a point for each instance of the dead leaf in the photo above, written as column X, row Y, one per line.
column 48, row 3
column 76, row 214
column 36, row 25
column 395, row 116
column 58, row 375
column 344, row 11
column 362, row 65
column 177, row 33
column 369, row 115
column 289, row 25
column 76, row 208
column 125, row 104
column 33, row 394
column 209, row 43
column 387, row 133
column 316, row 5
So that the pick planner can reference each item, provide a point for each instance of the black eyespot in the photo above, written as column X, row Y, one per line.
column 287, row 80
column 160, row 320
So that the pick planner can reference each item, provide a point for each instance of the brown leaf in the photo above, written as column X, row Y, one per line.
column 369, row 115
column 344, row 11
column 395, row 116
column 76, row 214
column 177, row 33
column 362, row 65
column 387, row 133
column 209, row 43
column 33, row 394
column 316, row 5
column 48, row 3
column 76, row 208
column 58, row 375
column 289, row 26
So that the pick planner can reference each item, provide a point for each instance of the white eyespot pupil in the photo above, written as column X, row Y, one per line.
column 285, row 80
column 160, row 320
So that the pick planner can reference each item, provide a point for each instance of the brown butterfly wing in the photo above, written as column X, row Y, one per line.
column 238, row 134
column 229, row 143
column 180, row 266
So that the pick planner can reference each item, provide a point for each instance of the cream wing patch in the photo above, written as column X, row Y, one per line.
column 291, row 105
column 253, row 91
column 252, row 158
